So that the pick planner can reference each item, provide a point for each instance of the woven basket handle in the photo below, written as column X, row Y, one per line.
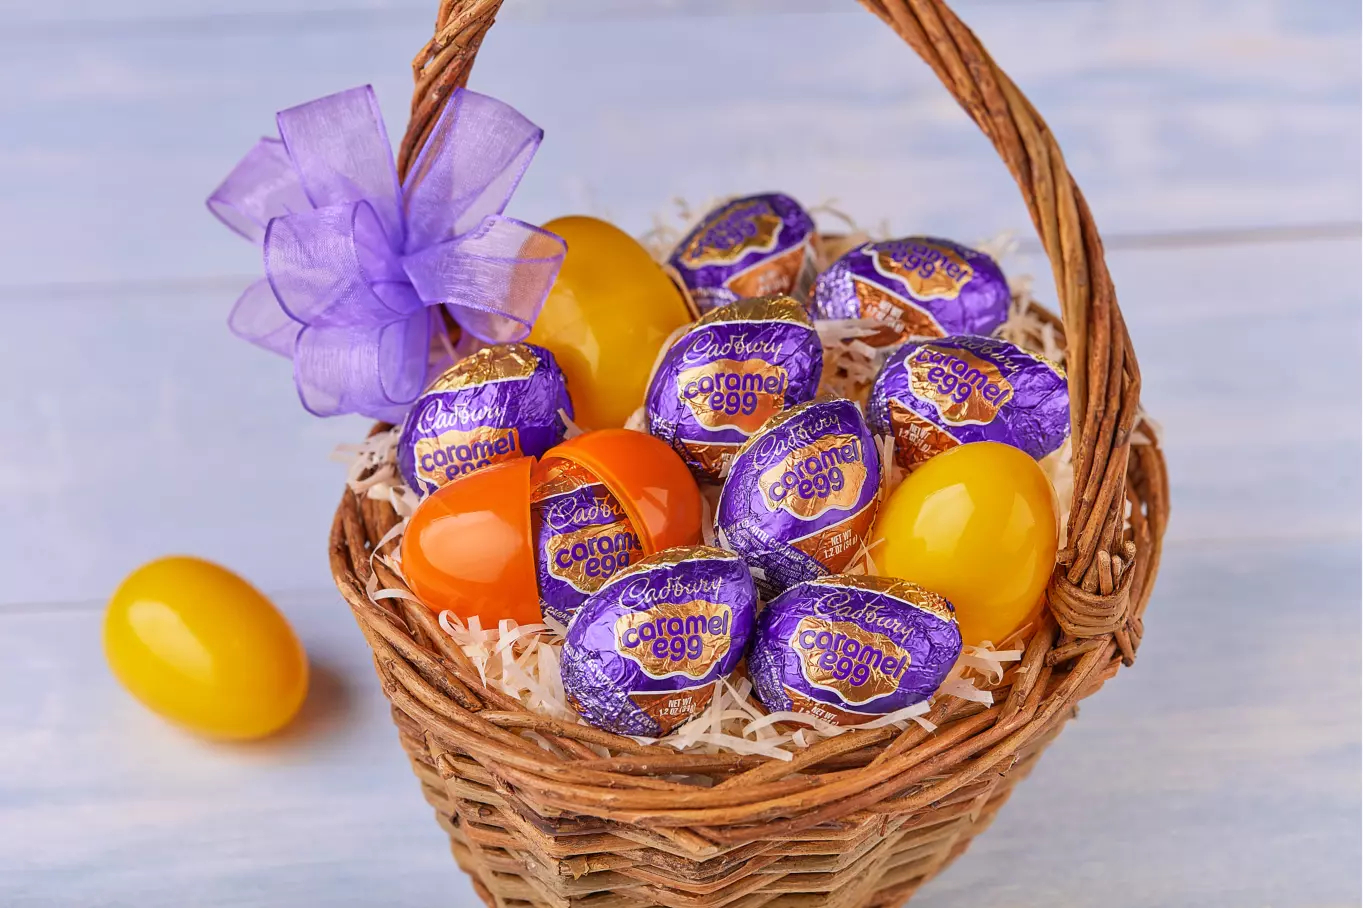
column 1090, row 593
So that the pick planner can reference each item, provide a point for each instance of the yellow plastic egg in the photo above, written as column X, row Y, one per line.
column 979, row 525
column 607, row 315
column 203, row 648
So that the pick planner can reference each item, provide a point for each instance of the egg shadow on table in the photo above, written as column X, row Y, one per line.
column 328, row 709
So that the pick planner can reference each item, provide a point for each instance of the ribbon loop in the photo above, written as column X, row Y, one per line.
column 323, row 265
column 258, row 318
column 263, row 185
column 340, row 148
column 353, row 263
column 468, row 168
column 493, row 278
column 326, row 359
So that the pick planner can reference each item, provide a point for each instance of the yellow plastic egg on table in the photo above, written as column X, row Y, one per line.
column 203, row 648
column 978, row 524
column 607, row 315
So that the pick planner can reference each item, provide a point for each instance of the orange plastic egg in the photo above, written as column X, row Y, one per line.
column 606, row 317
column 978, row 524
column 651, row 482
column 467, row 548
column 200, row 646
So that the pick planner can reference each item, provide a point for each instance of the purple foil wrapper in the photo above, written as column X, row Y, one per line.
column 497, row 404
column 849, row 648
column 723, row 379
column 754, row 246
column 918, row 287
column 644, row 651
column 935, row 394
column 582, row 537
column 802, row 494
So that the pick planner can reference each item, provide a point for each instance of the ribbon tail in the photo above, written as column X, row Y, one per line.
column 494, row 279
column 468, row 167
column 257, row 317
column 262, row 186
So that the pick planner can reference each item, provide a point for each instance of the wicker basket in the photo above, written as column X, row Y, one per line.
column 858, row 819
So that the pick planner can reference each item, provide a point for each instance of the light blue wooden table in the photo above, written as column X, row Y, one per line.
column 1217, row 141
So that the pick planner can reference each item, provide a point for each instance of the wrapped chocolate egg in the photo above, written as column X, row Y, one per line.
column 753, row 246
column 847, row 648
column 917, row 287
column 497, row 404
column 801, row 494
column 737, row 367
column 582, row 536
column 644, row 651
column 932, row 395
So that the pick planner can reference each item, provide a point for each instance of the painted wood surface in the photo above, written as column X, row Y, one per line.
column 1223, row 770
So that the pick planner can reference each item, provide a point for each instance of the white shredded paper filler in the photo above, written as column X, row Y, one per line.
column 522, row 661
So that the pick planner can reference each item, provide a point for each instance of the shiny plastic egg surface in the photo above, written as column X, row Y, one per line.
column 198, row 645
column 979, row 525
column 606, row 318
column 468, row 547
column 651, row 481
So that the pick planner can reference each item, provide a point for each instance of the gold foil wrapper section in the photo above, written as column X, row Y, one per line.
column 754, row 376
column 692, row 636
column 939, row 275
column 940, row 375
column 718, row 243
column 846, row 659
column 836, row 546
column 916, row 440
column 674, row 707
column 558, row 476
column 779, row 307
column 778, row 274
column 712, row 457
column 830, row 457
column 495, row 363
column 904, row 317
column 820, row 710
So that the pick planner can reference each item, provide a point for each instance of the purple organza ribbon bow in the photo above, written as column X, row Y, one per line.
column 355, row 263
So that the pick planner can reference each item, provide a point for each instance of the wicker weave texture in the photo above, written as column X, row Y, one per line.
column 859, row 819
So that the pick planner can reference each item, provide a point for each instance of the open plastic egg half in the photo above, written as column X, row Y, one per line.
column 652, row 483
column 469, row 547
